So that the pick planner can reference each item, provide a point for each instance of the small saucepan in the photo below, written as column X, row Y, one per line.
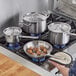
column 13, row 34
column 37, row 44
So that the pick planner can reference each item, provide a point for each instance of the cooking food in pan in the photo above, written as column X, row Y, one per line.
column 41, row 50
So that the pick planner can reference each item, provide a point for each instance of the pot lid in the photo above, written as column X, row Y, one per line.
column 65, row 7
column 59, row 27
column 34, row 17
column 12, row 31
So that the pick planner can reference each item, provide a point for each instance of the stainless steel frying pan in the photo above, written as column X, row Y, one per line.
column 37, row 43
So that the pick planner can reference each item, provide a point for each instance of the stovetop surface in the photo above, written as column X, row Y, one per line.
column 44, row 36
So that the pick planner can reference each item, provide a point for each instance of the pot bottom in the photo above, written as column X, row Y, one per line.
column 35, row 35
column 60, row 46
column 14, row 46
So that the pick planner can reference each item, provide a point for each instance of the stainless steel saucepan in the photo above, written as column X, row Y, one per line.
column 59, row 33
column 13, row 34
column 57, row 36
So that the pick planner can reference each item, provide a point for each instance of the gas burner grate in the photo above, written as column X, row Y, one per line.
column 38, row 59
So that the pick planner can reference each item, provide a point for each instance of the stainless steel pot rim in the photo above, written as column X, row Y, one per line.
column 12, row 31
column 34, row 17
column 59, row 26
column 39, row 42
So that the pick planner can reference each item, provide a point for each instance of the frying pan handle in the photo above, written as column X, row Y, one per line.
column 56, row 57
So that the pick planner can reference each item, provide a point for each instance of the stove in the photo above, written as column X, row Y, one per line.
column 17, row 48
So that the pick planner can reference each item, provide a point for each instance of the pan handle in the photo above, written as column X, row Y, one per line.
column 28, row 37
column 68, row 33
column 56, row 57
column 73, row 34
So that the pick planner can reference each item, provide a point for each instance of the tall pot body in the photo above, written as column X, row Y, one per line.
column 34, row 27
column 12, row 39
column 58, row 38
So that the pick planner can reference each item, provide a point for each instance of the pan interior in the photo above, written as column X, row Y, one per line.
column 37, row 43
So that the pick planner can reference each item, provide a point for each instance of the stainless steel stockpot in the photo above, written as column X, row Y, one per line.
column 56, row 35
column 12, row 33
column 34, row 23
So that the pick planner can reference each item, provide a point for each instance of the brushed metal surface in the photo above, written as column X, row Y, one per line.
column 56, row 35
column 58, row 38
column 34, row 23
